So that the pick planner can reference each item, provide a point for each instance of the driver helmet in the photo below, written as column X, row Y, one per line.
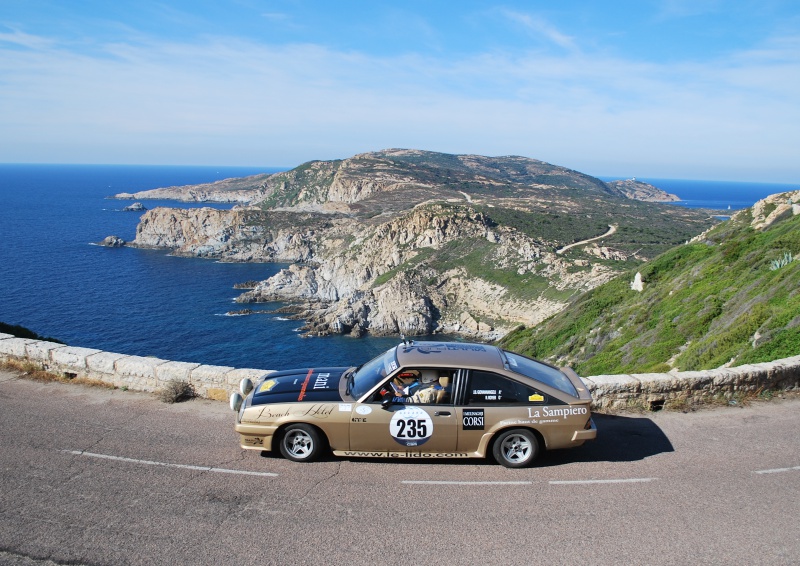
column 429, row 376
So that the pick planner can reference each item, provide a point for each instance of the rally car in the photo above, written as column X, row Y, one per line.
column 418, row 400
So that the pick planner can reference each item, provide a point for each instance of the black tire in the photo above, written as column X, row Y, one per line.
column 301, row 443
column 515, row 448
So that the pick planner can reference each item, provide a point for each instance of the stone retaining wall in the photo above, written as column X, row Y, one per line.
column 611, row 392
column 656, row 390
column 133, row 372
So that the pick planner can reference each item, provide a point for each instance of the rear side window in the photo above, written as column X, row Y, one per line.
column 487, row 388
column 540, row 372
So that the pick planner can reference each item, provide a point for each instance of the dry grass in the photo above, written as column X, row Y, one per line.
column 35, row 372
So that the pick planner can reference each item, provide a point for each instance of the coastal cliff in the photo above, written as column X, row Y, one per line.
column 405, row 241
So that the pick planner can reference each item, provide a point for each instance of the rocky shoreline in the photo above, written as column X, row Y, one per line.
column 380, row 244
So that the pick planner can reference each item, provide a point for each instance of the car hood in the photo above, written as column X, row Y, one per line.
column 311, row 385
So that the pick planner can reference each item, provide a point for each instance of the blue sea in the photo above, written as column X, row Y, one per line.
column 56, row 281
column 717, row 195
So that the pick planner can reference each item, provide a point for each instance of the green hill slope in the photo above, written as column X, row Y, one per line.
column 729, row 297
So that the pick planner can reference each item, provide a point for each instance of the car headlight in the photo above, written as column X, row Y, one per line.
column 236, row 401
column 245, row 386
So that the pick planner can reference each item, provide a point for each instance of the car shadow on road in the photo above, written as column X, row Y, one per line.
column 619, row 439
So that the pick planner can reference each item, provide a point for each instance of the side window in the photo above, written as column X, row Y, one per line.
column 487, row 388
column 418, row 386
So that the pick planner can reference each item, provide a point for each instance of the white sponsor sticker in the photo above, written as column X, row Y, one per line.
column 363, row 410
column 345, row 407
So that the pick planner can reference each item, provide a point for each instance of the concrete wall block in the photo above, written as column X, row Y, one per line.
column 138, row 366
column 614, row 384
column 694, row 379
column 211, row 382
column 179, row 371
column 657, row 383
column 137, row 372
column 210, row 376
column 136, row 382
column 70, row 358
column 40, row 350
column 784, row 374
column 103, row 364
column 724, row 377
column 14, row 347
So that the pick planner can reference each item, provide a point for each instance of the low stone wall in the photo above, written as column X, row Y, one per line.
column 134, row 372
column 657, row 390
column 610, row 392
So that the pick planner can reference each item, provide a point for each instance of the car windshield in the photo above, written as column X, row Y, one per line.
column 367, row 376
column 540, row 372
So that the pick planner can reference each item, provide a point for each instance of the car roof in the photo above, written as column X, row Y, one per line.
column 446, row 354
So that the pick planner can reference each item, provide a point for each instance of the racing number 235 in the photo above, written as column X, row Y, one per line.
column 411, row 428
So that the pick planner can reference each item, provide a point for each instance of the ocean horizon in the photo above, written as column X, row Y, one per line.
column 58, row 282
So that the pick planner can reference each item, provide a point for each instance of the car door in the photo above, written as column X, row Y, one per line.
column 409, row 428
column 489, row 400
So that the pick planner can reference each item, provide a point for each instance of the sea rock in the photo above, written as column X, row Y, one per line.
column 113, row 242
column 135, row 207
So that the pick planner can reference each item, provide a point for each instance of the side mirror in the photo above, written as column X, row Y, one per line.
column 387, row 402
column 245, row 386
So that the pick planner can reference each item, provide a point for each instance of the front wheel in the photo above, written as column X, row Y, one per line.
column 515, row 448
column 301, row 443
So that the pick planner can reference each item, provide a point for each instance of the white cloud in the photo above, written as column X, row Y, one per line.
column 234, row 101
column 540, row 27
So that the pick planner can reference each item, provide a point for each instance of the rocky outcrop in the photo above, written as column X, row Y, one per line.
column 239, row 190
column 768, row 210
column 112, row 242
column 344, row 290
column 639, row 190
column 230, row 235
column 135, row 207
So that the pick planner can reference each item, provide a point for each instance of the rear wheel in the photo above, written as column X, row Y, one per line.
column 301, row 443
column 515, row 448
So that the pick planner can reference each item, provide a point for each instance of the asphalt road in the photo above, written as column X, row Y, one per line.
column 95, row 476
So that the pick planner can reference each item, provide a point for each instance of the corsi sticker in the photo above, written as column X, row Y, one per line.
column 472, row 419
column 411, row 426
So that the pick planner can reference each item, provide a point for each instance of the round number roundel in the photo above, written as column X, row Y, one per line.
column 411, row 426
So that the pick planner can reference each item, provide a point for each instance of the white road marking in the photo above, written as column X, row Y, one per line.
column 168, row 465
column 578, row 482
column 432, row 482
column 777, row 470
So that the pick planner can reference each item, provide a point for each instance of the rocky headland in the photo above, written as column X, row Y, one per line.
column 640, row 190
column 415, row 242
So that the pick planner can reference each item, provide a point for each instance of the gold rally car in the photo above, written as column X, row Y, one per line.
column 418, row 400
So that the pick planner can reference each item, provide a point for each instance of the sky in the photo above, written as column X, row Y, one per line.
column 692, row 89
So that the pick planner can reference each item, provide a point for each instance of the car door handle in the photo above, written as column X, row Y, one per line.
column 441, row 414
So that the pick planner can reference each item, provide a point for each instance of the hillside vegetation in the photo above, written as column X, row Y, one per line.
column 729, row 297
